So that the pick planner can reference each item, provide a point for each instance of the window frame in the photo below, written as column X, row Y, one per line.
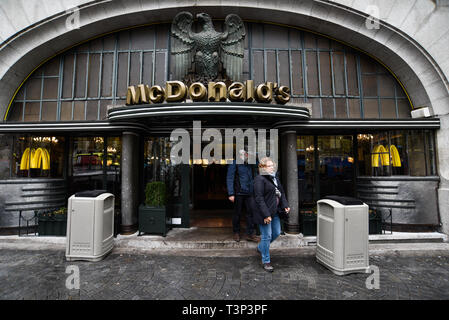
column 121, row 45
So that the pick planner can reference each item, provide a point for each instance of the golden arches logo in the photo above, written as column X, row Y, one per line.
column 35, row 159
column 381, row 153
column 396, row 159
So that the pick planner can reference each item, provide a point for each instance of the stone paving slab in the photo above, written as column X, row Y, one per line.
column 41, row 274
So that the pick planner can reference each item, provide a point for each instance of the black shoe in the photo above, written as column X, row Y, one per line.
column 237, row 237
column 268, row 267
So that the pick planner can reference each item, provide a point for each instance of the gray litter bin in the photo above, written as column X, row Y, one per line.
column 342, row 235
column 90, row 225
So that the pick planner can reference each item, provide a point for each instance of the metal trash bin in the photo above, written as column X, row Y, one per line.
column 90, row 225
column 342, row 235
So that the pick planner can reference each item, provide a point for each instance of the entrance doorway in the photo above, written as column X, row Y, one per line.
column 210, row 204
column 197, row 192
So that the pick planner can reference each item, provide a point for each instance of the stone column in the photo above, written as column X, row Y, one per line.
column 291, row 172
column 130, row 182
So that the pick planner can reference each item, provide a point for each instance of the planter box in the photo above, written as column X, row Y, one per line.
column 52, row 224
column 152, row 220
column 308, row 223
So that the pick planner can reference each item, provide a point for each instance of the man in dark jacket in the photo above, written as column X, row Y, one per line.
column 240, row 180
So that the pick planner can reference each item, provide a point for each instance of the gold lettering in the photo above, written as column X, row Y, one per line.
column 144, row 93
column 197, row 91
column 132, row 95
column 264, row 92
column 282, row 95
column 249, row 90
column 157, row 94
column 237, row 91
column 175, row 91
column 216, row 91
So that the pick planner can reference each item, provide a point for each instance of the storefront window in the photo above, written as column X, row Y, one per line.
column 86, row 164
column 158, row 167
column 417, row 154
column 20, row 163
column 336, row 162
column 113, row 162
column 306, row 170
column 87, row 155
column 157, row 158
column 396, row 153
column 326, row 163
column 37, row 156
column 89, row 167
column 430, row 152
column 380, row 155
column 325, row 167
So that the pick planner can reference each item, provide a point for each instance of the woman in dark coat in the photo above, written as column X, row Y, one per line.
column 270, row 199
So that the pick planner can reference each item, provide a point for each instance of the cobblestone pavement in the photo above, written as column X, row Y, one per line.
column 42, row 275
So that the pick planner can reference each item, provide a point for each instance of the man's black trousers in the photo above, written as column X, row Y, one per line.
column 250, row 205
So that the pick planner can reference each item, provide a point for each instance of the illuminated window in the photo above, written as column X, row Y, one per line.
column 35, row 156
column 401, row 152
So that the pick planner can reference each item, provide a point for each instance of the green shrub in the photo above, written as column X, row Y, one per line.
column 155, row 194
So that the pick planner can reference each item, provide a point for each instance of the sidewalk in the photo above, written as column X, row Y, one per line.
column 221, row 238
column 35, row 268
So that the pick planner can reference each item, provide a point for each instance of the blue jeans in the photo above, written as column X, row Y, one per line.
column 268, row 233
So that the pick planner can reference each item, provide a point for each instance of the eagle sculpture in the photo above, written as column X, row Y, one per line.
column 206, row 49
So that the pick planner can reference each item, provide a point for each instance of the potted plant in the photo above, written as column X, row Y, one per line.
column 155, row 194
column 53, row 223
column 152, row 214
